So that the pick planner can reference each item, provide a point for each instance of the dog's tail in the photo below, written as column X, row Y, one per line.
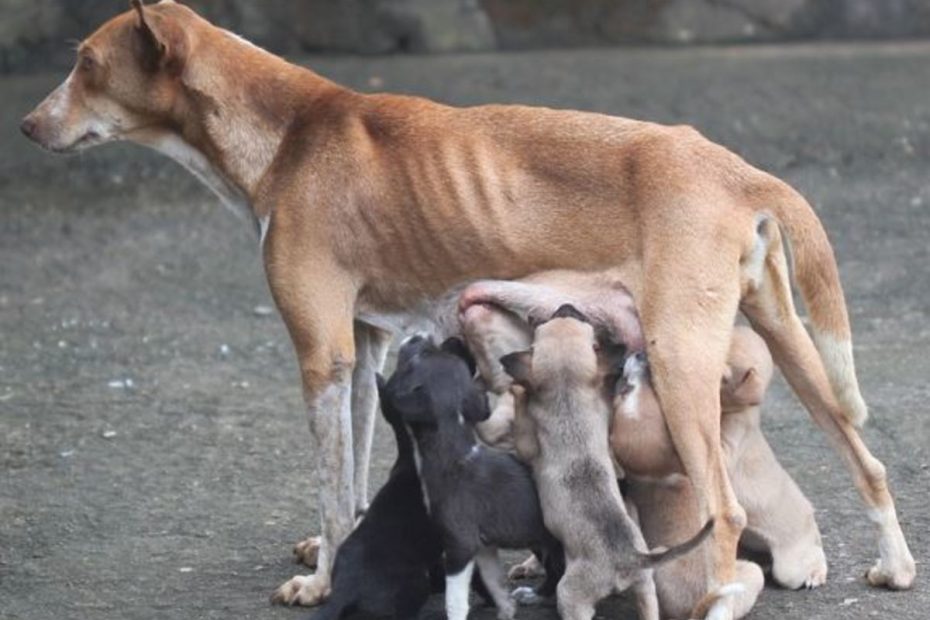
column 655, row 558
column 817, row 278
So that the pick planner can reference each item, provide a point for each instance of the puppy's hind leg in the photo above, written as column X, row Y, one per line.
column 580, row 588
column 492, row 574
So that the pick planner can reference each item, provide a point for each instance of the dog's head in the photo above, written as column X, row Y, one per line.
column 567, row 351
column 434, row 385
column 125, row 82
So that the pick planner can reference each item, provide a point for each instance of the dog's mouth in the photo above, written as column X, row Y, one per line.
column 89, row 139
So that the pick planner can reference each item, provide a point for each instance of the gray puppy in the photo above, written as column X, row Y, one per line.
column 561, row 429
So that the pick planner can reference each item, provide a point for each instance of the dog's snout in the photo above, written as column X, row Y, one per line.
column 28, row 127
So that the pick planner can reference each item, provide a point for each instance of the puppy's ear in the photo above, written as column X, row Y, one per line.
column 457, row 347
column 475, row 407
column 741, row 387
column 519, row 366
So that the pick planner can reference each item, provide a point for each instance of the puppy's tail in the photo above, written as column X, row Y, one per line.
column 651, row 560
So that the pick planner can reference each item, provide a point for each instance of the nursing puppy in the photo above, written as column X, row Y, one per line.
column 502, row 325
column 780, row 518
column 561, row 428
column 390, row 563
column 478, row 498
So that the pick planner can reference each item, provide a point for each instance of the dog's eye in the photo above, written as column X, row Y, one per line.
column 86, row 63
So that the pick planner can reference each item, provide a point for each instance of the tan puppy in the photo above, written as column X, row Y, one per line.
column 372, row 207
column 562, row 432
column 780, row 519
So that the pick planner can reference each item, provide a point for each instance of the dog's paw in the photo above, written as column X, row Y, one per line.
column 529, row 568
column 525, row 595
column 306, row 590
column 898, row 576
column 308, row 551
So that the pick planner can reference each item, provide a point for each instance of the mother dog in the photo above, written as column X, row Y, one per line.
column 371, row 206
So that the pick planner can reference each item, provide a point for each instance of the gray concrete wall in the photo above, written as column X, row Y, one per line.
column 34, row 33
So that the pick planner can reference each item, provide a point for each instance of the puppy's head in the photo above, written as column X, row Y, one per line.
column 748, row 372
column 564, row 355
column 433, row 386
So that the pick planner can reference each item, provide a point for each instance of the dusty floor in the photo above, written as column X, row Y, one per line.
column 152, row 441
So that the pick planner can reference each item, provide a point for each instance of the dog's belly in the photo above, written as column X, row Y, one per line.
column 436, row 316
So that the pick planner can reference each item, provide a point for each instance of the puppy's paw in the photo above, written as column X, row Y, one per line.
column 817, row 577
column 897, row 576
column 529, row 568
column 305, row 590
column 308, row 551
column 506, row 611
column 525, row 595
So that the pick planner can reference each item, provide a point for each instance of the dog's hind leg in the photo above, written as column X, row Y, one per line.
column 688, row 307
column 492, row 574
column 371, row 346
column 769, row 307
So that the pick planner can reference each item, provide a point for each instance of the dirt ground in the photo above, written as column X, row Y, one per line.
column 153, row 447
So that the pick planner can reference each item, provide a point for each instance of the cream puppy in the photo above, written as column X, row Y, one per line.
column 780, row 518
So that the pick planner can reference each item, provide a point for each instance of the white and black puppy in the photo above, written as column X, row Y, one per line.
column 390, row 563
column 480, row 499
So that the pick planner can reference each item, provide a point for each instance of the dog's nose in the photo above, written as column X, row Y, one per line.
column 28, row 127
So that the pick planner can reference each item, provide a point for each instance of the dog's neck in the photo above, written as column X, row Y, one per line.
column 229, row 126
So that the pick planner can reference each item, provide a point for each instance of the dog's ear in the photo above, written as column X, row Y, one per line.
column 457, row 347
column 475, row 407
column 519, row 366
column 160, row 42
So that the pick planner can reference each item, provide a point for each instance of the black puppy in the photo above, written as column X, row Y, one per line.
column 480, row 499
column 384, row 567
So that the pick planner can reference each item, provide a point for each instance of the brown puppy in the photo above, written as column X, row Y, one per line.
column 780, row 519
column 561, row 430
column 375, row 206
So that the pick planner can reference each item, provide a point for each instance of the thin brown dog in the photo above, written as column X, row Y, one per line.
column 371, row 206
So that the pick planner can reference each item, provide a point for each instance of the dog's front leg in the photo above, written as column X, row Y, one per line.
column 316, row 305
column 371, row 346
